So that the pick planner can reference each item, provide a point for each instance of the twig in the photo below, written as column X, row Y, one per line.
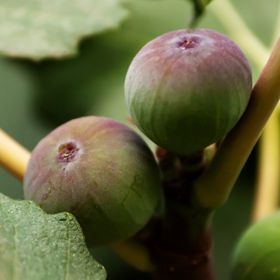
column 135, row 254
column 13, row 156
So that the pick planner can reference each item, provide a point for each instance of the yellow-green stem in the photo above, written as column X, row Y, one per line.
column 134, row 254
column 268, row 183
column 267, row 193
column 13, row 156
column 213, row 187
column 239, row 31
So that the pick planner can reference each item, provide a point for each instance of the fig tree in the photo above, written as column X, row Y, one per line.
column 99, row 170
column 257, row 254
column 187, row 89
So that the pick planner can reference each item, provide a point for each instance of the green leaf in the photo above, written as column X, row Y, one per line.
column 92, row 83
column 39, row 29
column 39, row 246
column 199, row 8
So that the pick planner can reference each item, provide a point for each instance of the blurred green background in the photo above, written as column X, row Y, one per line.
column 36, row 97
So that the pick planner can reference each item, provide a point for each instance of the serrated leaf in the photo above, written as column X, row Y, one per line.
column 199, row 8
column 39, row 246
column 39, row 29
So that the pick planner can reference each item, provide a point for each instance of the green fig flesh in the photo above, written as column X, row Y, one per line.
column 100, row 171
column 187, row 89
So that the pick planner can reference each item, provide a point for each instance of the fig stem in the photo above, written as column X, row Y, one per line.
column 240, row 31
column 213, row 187
column 135, row 254
column 13, row 156
column 266, row 199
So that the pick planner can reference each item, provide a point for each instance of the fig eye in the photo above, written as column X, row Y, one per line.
column 67, row 152
column 188, row 42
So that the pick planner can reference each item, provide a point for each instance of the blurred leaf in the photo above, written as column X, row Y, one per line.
column 198, row 8
column 35, row 245
column 38, row 29
column 70, row 88
column 93, row 81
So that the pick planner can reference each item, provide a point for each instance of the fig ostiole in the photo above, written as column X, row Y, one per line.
column 187, row 89
column 257, row 254
column 99, row 170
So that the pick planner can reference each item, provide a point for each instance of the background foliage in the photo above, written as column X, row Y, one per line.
column 37, row 96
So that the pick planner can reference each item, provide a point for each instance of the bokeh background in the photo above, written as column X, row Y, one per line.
column 37, row 96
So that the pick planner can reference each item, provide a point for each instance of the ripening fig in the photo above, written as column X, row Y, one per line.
column 99, row 170
column 257, row 255
column 187, row 89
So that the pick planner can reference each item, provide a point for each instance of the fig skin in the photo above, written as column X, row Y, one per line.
column 257, row 254
column 187, row 89
column 99, row 170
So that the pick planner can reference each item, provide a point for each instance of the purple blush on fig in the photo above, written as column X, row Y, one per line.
column 99, row 170
column 188, row 88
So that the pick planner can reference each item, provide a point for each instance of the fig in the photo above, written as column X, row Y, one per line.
column 99, row 170
column 187, row 89
column 257, row 254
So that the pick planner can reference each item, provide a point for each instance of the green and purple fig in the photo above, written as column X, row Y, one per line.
column 257, row 254
column 99, row 170
column 187, row 89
